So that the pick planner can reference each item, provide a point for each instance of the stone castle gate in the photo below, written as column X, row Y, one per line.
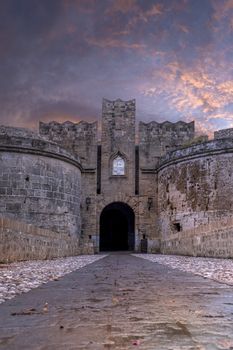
column 117, row 227
column 65, row 191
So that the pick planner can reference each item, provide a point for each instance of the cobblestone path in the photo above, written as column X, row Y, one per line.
column 121, row 302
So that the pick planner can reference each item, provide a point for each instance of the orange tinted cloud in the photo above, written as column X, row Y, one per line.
column 145, row 16
column 115, row 43
column 226, row 87
column 222, row 8
column 183, row 28
column 155, row 10
column 122, row 6
column 199, row 92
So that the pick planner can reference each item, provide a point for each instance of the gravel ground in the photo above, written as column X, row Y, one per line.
column 20, row 277
column 220, row 270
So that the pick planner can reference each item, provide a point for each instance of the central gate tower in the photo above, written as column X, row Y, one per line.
column 119, row 204
column 116, row 176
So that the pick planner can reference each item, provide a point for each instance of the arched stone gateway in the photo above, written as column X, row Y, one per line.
column 117, row 222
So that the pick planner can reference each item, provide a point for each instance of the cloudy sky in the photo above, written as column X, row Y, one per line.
column 59, row 58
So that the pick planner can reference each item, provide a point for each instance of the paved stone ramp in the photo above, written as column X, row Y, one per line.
column 121, row 302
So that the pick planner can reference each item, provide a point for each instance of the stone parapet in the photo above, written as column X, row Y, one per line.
column 24, row 141
column 156, row 139
column 222, row 134
column 211, row 240
column 179, row 128
column 80, row 139
column 213, row 147
column 20, row 241
column 118, row 106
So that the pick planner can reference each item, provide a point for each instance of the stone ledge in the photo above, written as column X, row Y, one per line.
column 210, row 148
column 29, row 145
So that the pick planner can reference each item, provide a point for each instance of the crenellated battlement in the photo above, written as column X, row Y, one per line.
column 118, row 105
column 167, row 126
column 18, row 132
column 156, row 139
column 79, row 138
column 54, row 127
column 118, row 127
column 223, row 134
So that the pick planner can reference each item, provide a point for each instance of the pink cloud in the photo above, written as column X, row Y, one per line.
column 155, row 10
column 183, row 28
column 114, row 43
column 123, row 6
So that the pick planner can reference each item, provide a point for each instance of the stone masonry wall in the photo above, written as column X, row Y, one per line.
column 20, row 241
column 147, row 213
column 225, row 133
column 40, row 183
column 195, row 193
column 156, row 139
column 88, row 210
column 81, row 140
column 118, row 135
column 78, row 138
column 209, row 240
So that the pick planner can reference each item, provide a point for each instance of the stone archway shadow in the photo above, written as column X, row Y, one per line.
column 117, row 227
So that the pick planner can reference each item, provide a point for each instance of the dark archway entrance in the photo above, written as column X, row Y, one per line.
column 117, row 227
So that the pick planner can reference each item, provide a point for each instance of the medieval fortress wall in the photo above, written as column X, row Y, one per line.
column 195, row 203
column 80, row 140
column 40, row 185
column 21, row 241
column 54, row 186
column 156, row 139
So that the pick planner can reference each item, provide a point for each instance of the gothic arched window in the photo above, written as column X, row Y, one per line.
column 118, row 166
